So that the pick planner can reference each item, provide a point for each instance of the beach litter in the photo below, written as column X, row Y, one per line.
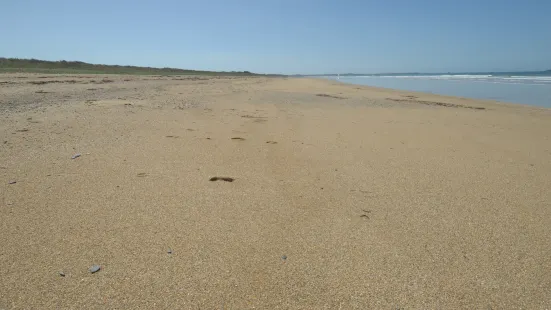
column 12, row 182
column 76, row 156
column 94, row 269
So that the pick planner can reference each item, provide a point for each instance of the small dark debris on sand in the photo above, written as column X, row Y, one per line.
column 330, row 96
column 271, row 142
column 42, row 92
column 238, row 138
column 252, row 116
column 22, row 130
column 12, row 182
column 62, row 274
column 173, row 136
column 434, row 103
column 225, row 179
column 76, row 156
column 51, row 82
column 39, row 82
column 142, row 174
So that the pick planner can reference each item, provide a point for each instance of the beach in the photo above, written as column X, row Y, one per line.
column 193, row 192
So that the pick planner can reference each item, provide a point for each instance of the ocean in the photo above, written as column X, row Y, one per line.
column 532, row 88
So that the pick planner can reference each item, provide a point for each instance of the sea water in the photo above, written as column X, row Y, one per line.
column 516, row 87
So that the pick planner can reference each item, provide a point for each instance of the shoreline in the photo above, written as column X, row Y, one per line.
column 436, row 97
column 462, row 83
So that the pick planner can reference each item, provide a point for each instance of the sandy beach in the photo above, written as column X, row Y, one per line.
column 341, row 196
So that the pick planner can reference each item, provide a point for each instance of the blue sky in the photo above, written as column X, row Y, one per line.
column 286, row 36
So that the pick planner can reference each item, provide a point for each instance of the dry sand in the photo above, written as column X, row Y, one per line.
column 344, row 197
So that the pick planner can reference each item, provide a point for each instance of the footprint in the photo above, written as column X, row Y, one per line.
column 366, row 212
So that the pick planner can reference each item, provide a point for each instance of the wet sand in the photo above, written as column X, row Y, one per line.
column 341, row 196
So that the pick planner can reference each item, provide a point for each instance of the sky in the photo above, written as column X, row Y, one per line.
column 285, row 36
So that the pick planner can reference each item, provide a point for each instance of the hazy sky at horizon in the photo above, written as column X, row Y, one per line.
column 286, row 36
